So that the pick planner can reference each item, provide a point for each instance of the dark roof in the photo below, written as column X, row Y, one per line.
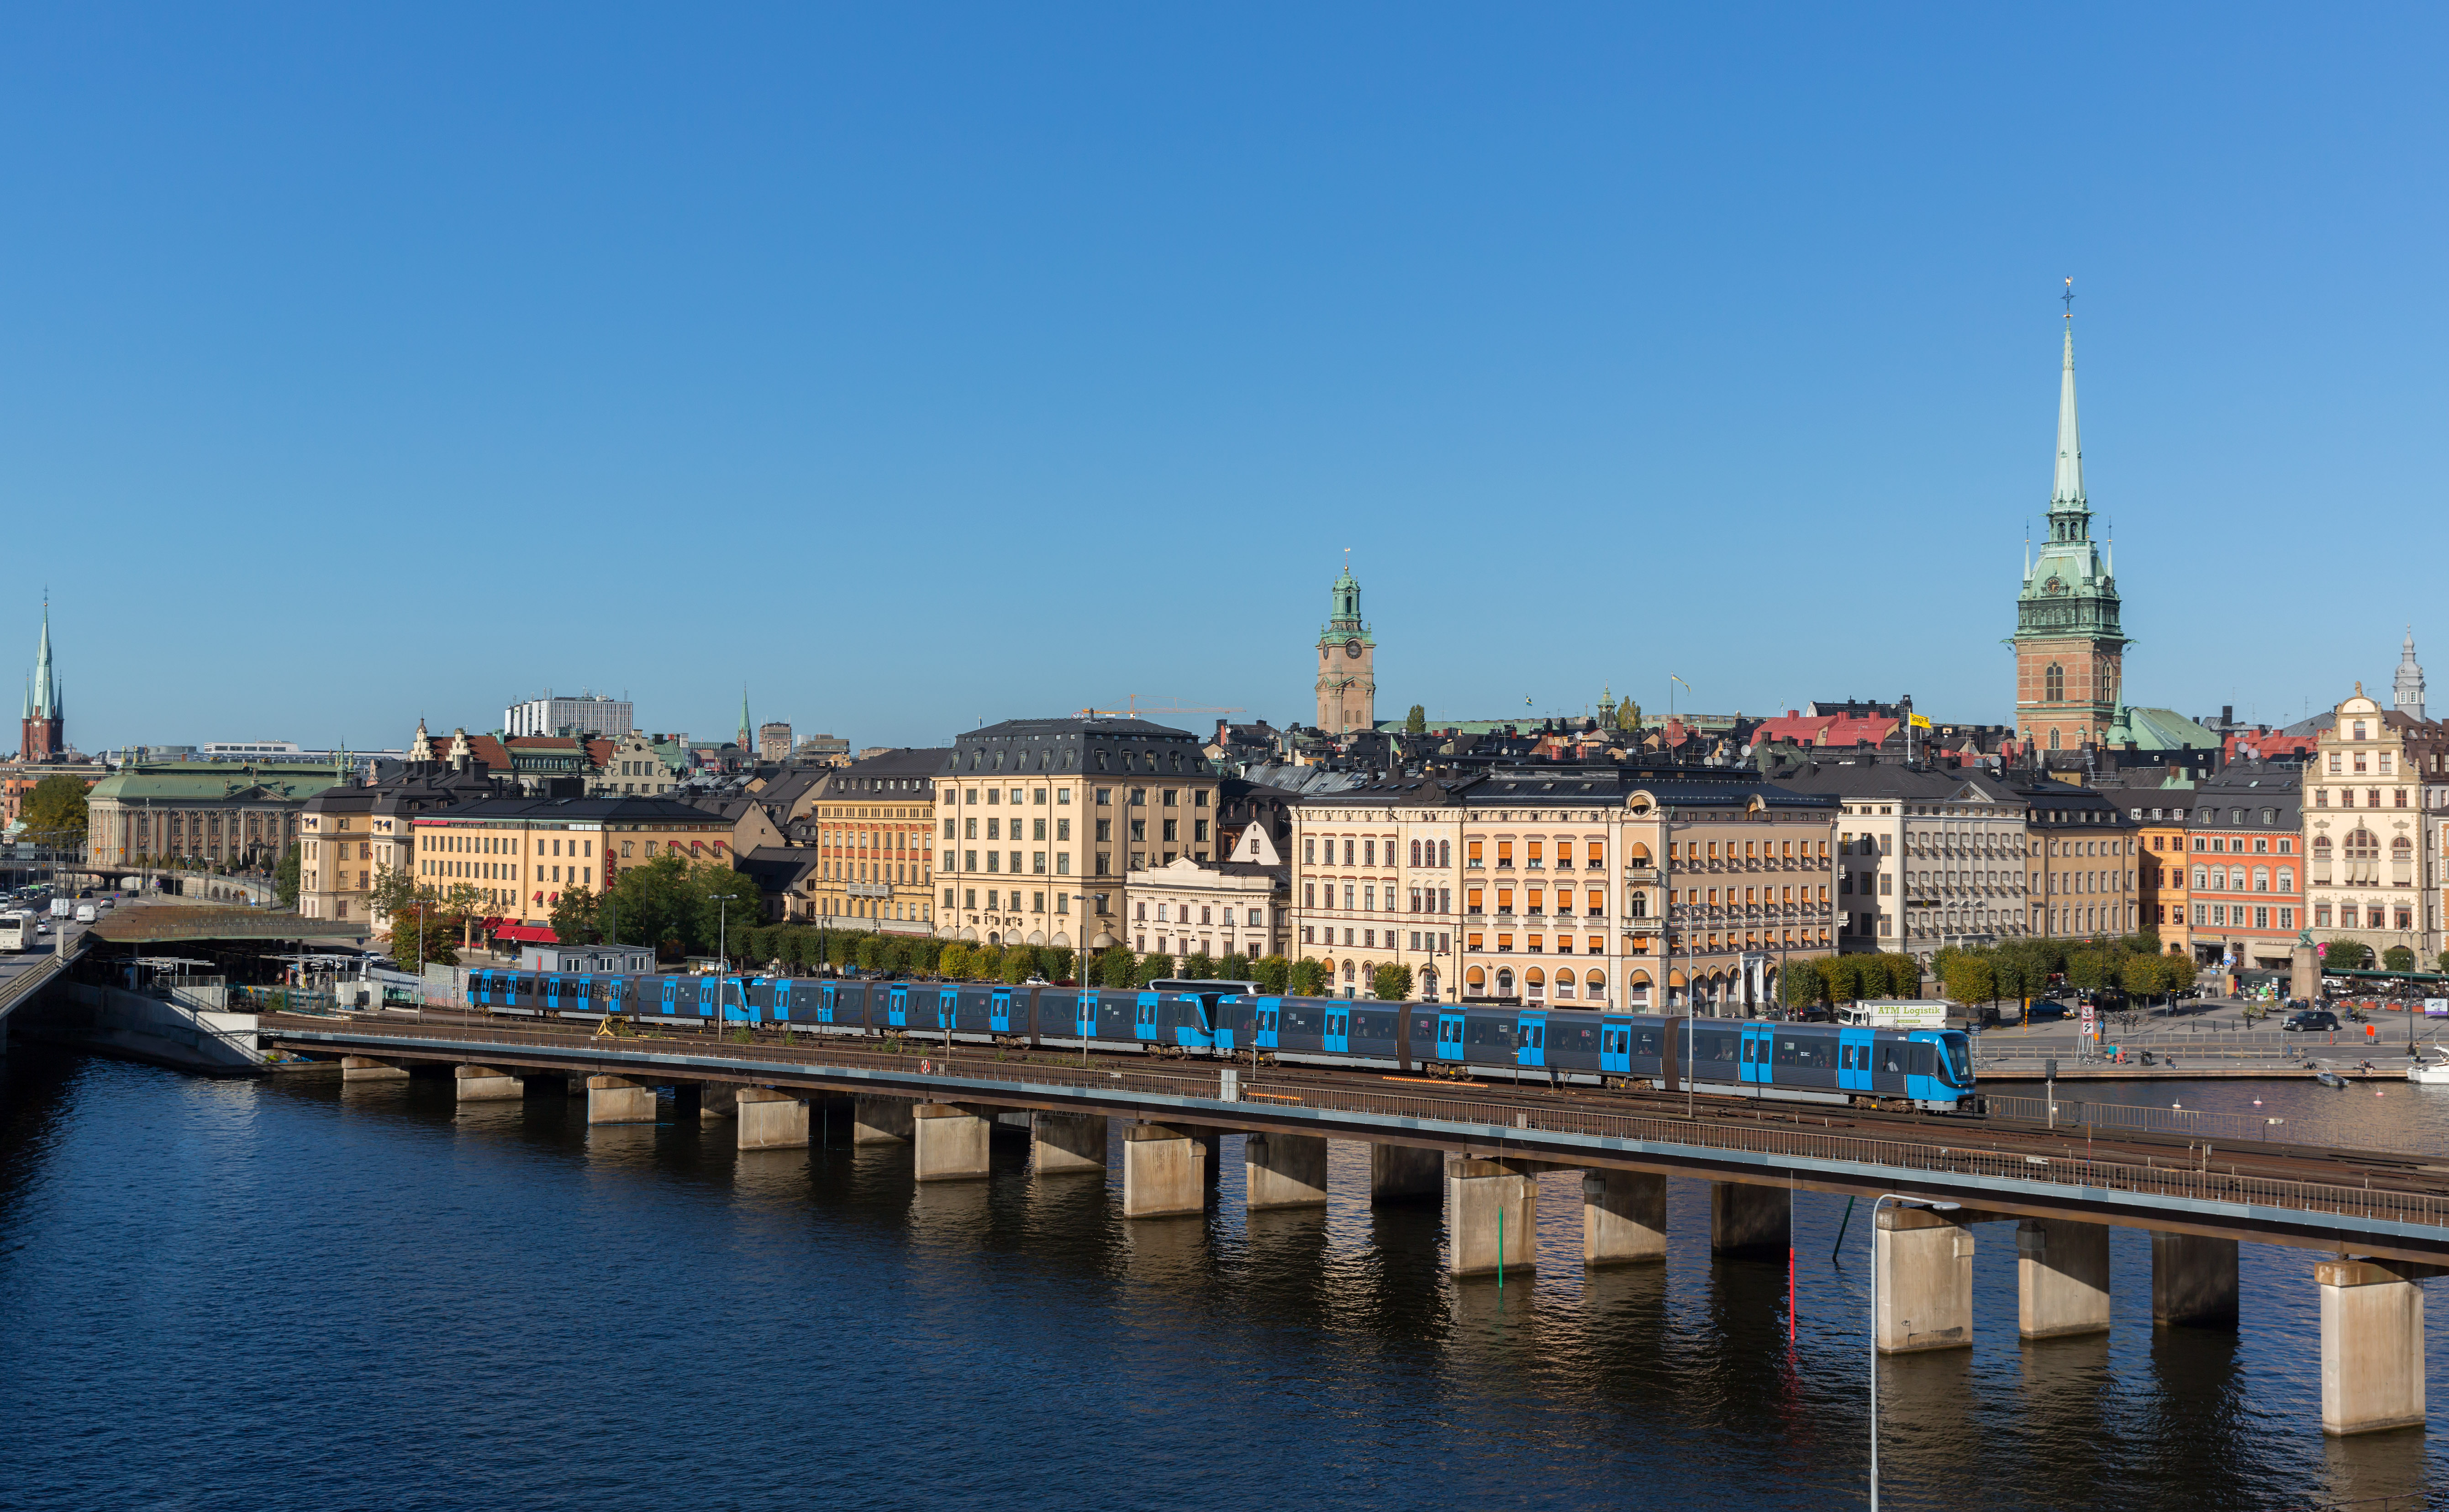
column 1126, row 729
column 612, row 808
column 777, row 868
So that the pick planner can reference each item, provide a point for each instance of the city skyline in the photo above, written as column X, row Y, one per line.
column 1529, row 311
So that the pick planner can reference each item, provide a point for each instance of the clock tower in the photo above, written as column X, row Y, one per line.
column 2070, row 652
column 1347, row 681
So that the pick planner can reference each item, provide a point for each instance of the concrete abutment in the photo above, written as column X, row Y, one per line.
column 618, row 1100
column 1623, row 1218
column 2061, row 1278
column 952, row 1142
column 2372, row 1345
column 1284, row 1171
column 1491, row 1216
column 1924, row 1269
column 1164, row 1173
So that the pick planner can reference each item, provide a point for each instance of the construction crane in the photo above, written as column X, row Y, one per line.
column 1134, row 711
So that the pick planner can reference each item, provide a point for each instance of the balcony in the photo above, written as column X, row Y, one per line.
column 1637, row 873
column 1644, row 927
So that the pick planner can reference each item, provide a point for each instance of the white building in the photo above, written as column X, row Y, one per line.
column 588, row 715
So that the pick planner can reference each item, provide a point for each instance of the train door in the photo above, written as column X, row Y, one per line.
column 552, row 995
column 781, row 997
column 897, row 1007
column 1756, row 1070
column 1271, row 1017
column 1084, row 1014
column 706, row 987
column 509, row 990
column 732, row 993
column 480, row 988
column 1450, row 1045
column 1338, row 1031
column 1615, row 1048
column 828, row 1004
column 671, row 995
column 1854, row 1059
column 1530, row 1040
column 999, row 1011
column 1143, row 1018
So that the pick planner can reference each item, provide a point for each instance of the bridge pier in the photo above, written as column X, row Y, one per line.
column 1491, row 1216
column 1284, row 1171
column 1926, row 1281
column 1748, row 1220
column 1405, row 1173
column 1064, row 1142
column 952, row 1142
column 365, row 1068
column 2372, row 1345
column 2061, row 1277
column 487, row 1084
column 769, row 1119
column 2193, row 1280
column 1164, row 1171
column 881, row 1121
column 1623, row 1218
column 617, row 1099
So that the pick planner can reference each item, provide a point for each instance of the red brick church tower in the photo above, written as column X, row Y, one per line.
column 42, row 734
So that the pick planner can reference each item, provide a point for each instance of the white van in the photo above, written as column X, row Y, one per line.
column 1895, row 1013
column 84, row 913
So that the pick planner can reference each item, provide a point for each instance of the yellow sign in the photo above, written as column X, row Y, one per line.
column 1918, row 721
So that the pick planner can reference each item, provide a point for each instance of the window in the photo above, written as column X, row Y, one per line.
column 2053, row 689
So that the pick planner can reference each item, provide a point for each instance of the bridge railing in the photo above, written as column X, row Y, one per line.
column 2199, row 1180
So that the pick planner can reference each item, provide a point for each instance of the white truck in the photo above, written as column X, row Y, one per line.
column 1896, row 1013
column 84, row 914
column 62, row 907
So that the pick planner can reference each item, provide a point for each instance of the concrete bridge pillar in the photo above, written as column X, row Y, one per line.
column 1491, row 1216
column 1405, row 1173
column 1748, row 1220
column 2193, row 1280
column 2372, row 1345
column 769, row 1119
column 716, row 1100
column 1286, row 1171
column 617, row 1099
column 952, row 1142
column 1063, row 1142
column 880, row 1121
column 1163, row 1171
column 1926, row 1281
column 365, row 1068
column 1623, row 1218
column 486, row 1084
column 2061, row 1277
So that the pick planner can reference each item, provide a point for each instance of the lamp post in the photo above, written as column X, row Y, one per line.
column 723, row 954
column 1884, row 1197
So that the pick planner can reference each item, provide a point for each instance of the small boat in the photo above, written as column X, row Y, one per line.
column 2329, row 1077
column 2433, row 1072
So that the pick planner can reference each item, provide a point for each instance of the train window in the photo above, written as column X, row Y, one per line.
column 1785, row 1051
column 1892, row 1060
column 1715, row 1044
column 1647, row 1040
column 1749, row 1046
column 1923, row 1059
column 1489, row 1032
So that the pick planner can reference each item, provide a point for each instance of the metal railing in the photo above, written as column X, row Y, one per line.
column 2199, row 1180
column 2080, row 1114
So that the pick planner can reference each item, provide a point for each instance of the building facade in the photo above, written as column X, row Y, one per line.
column 2162, row 874
column 201, row 813
column 351, row 833
column 774, row 742
column 1040, row 821
column 872, row 826
column 2377, row 801
column 636, row 763
column 1347, row 656
column 590, row 714
column 1234, row 906
column 2082, row 854
column 2070, row 648
column 2244, row 871
column 524, row 853
column 1927, row 857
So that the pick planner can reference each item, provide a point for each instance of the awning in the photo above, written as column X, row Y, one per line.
column 528, row 934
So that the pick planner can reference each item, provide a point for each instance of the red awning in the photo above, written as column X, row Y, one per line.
column 528, row 934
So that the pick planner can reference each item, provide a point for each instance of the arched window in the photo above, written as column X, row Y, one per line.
column 1594, row 986
column 1416, row 853
column 2053, row 689
column 1534, row 982
column 1474, row 980
column 2401, row 849
column 1640, row 989
column 2320, row 847
column 1640, row 905
column 1347, row 971
column 2362, row 846
column 1445, row 853
column 2054, row 738
column 1564, row 984
column 1505, row 981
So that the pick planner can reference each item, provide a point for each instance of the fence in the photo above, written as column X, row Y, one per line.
column 2197, row 1180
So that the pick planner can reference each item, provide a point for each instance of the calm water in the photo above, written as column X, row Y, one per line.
column 218, row 1294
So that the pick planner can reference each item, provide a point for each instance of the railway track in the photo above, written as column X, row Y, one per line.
column 2144, row 1150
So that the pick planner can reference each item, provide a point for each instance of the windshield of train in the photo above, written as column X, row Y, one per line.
column 1955, row 1059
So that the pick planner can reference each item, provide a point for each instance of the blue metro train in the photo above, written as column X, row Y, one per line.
column 1923, row 1068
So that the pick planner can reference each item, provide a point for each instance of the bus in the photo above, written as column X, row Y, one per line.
column 19, row 932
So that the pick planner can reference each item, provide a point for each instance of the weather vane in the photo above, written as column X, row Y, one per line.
column 2069, row 298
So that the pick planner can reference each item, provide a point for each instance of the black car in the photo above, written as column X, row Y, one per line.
column 2311, row 1021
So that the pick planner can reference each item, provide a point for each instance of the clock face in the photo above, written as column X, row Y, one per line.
column 1352, row 646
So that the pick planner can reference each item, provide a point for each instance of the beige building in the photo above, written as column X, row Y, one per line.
column 522, row 853
column 635, row 766
column 1040, row 821
column 874, row 825
column 1234, row 906
column 2082, row 863
column 215, row 813
column 2375, row 798
column 1555, row 884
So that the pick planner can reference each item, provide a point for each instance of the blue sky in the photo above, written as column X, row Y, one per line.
column 918, row 365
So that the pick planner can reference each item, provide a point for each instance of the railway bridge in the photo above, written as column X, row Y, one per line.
column 2379, row 1221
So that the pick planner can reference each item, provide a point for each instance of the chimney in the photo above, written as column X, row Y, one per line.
column 2227, row 714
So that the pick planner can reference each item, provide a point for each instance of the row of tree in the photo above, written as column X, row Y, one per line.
column 2021, row 969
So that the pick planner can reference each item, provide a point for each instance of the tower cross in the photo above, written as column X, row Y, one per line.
column 2069, row 298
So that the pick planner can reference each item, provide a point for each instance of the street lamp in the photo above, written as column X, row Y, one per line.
column 1886, row 1197
column 723, row 954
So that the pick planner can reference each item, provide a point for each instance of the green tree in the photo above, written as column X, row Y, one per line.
column 1843, row 977
column 2177, row 972
column 1155, row 966
column 2088, row 970
column 1900, row 973
column 1801, row 985
column 1969, row 978
column 1055, row 960
column 285, row 877
column 670, row 902
column 1391, row 983
column 1234, row 966
column 1628, row 715
column 574, row 917
column 2347, row 954
column 1019, row 963
column 1114, row 967
column 2142, row 976
column 1201, row 966
column 1307, row 979
column 1273, row 974
column 1416, row 721
column 55, row 811
column 2397, row 958
column 440, row 936
column 954, row 962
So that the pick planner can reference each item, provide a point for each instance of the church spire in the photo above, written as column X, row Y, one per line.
column 747, row 732
column 45, row 694
column 2066, row 493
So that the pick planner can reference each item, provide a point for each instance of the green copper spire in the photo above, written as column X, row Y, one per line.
column 2068, row 494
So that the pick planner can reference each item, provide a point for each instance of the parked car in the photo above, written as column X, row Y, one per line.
column 2311, row 1021
column 2046, row 1011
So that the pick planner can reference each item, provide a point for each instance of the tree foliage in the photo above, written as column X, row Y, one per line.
column 2347, row 955
column 1155, row 966
column 1391, row 983
column 1273, row 974
column 1114, row 967
column 439, row 937
column 1416, row 721
column 1307, row 979
column 670, row 904
column 1969, row 978
column 575, row 917
column 55, row 811
column 2397, row 958
column 1801, row 985
column 285, row 877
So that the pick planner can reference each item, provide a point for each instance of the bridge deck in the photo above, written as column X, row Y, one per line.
column 2365, row 1202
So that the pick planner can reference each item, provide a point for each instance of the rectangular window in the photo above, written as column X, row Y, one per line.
column 969, row 860
column 1105, row 797
column 969, row 898
column 1062, row 865
column 1104, row 864
column 1037, row 863
column 2287, row 919
column 948, row 897
column 1310, row 852
column 1172, row 827
column 2320, row 916
column 2202, row 914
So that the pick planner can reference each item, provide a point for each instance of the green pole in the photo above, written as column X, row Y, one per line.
column 1500, row 1247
